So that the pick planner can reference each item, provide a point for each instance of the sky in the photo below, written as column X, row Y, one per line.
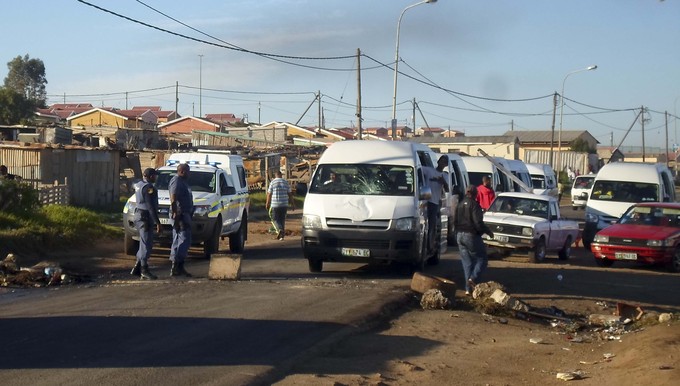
column 481, row 67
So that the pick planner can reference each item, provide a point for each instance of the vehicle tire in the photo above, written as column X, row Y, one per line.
column 315, row 265
column 435, row 258
column 537, row 255
column 237, row 241
column 212, row 245
column 419, row 264
column 604, row 262
column 565, row 252
column 451, row 235
column 674, row 265
column 130, row 245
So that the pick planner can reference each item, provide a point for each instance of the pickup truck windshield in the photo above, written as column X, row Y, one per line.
column 522, row 206
column 363, row 179
column 198, row 181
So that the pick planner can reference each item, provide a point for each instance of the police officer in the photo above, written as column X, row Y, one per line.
column 181, row 210
column 146, row 219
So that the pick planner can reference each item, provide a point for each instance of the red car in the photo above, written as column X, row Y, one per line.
column 647, row 233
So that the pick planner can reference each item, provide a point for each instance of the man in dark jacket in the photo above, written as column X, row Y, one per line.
column 470, row 227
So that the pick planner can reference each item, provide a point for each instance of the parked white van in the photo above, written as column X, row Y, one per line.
column 543, row 179
column 619, row 185
column 458, row 182
column 478, row 167
column 580, row 190
column 519, row 169
column 375, row 207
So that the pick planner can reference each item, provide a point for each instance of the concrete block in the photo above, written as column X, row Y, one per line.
column 225, row 266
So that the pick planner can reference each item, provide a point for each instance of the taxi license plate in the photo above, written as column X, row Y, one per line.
column 501, row 238
column 356, row 252
column 625, row 256
column 165, row 221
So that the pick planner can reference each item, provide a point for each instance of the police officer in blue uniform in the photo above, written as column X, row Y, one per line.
column 181, row 210
column 146, row 221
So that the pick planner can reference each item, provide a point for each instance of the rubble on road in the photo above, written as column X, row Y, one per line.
column 43, row 274
column 434, row 299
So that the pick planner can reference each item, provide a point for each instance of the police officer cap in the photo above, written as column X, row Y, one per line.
column 148, row 172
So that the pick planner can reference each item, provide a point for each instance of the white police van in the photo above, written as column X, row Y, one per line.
column 221, row 202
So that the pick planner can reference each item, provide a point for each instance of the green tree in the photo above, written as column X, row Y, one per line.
column 14, row 108
column 27, row 77
column 581, row 146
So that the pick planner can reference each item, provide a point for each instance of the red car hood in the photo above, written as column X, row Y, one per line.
column 648, row 232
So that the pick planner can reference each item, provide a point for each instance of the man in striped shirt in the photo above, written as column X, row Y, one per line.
column 279, row 197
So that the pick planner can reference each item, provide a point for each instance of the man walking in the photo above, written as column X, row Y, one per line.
column 146, row 220
column 181, row 210
column 279, row 197
column 470, row 227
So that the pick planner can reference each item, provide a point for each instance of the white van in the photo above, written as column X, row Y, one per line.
column 478, row 167
column 543, row 179
column 375, row 210
column 458, row 183
column 519, row 169
column 619, row 185
column 580, row 190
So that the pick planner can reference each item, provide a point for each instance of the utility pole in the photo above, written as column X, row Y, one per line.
column 414, row 116
column 176, row 96
column 665, row 115
column 126, row 100
column 552, row 131
column 318, row 97
column 642, row 123
column 259, row 120
column 359, row 94
column 200, row 85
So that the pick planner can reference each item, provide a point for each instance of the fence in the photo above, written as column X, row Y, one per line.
column 54, row 194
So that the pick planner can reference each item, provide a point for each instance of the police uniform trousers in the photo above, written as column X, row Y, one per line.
column 181, row 240
column 145, row 229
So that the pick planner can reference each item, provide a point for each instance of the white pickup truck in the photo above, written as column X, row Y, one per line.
column 221, row 202
column 529, row 222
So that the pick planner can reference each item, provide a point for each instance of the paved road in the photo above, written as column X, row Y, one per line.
column 197, row 331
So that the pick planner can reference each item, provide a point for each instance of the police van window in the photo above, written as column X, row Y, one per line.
column 242, row 176
column 223, row 184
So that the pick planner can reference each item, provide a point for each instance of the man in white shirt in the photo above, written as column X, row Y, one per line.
column 436, row 178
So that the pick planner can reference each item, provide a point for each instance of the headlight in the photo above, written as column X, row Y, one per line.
column 527, row 231
column 201, row 210
column 311, row 221
column 601, row 239
column 129, row 207
column 406, row 224
column 657, row 243
column 591, row 217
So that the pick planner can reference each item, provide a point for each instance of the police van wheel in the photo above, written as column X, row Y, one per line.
column 315, row 265
column 130, row 245
column 212, row 245
column 237, row 241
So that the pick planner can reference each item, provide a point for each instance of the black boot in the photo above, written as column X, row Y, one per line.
column 146, row 274
column 183, row 271
column 137, row 270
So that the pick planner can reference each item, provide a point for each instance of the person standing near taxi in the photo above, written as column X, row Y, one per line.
column 146, row 221
column 279, row 198
column 485, row 193
column 181, row 210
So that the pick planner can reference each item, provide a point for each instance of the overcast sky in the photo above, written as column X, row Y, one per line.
column 477, row 66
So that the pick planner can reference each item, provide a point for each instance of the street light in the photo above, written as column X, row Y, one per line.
column 559, row 135
column 200, row 85
column 396, row 67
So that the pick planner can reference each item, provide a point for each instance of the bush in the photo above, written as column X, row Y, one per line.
column 18, row 197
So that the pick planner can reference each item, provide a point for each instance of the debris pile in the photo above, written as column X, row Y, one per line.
column 43, row 274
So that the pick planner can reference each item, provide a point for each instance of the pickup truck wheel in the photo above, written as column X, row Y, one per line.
column 130, row 245
column 537, row 255
column 604, row 262
column 212, row 245
column 315, row 265
column 674, row 265
column 565, row 252
column 237, row 241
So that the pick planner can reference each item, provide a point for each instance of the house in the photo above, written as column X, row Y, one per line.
column 162, row 116
column 107, row 116
column 543, row 139
column 506, row 146
column 224, row 119
column 185, row 125
column 430, row 131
